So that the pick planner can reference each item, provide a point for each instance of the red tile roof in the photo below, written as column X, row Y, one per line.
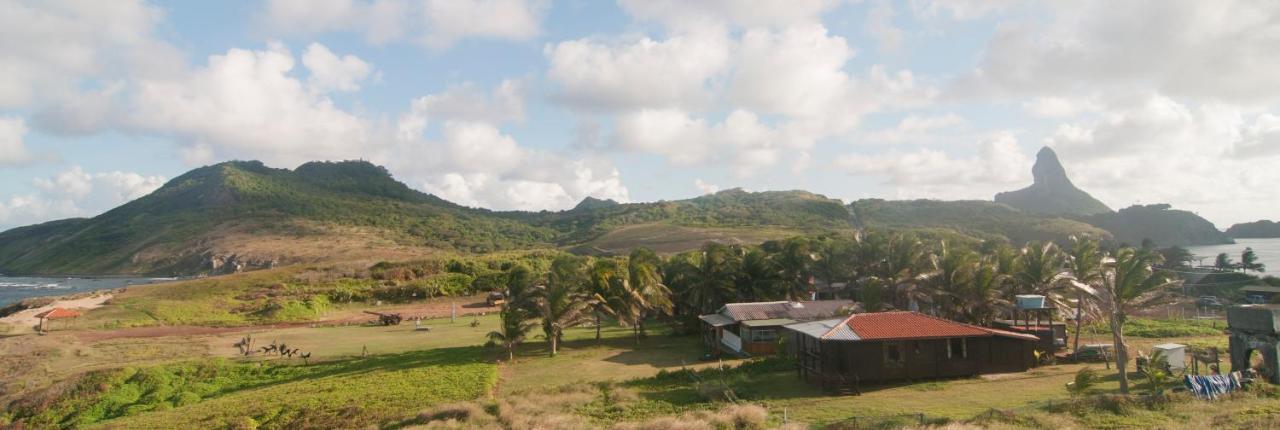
column 909, row 325
column 57, row 313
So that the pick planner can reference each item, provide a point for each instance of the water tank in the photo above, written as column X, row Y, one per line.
column 1030, row 301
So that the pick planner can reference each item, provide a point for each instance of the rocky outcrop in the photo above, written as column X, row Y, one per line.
column 222, row 264
column 1052, row 192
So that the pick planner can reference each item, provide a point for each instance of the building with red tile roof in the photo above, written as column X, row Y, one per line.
column 841, row 353
column 48, row 316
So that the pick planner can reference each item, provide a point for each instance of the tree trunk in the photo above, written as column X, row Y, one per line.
column 640, row 323
column 511, row 353
column 597, row 326
column 635, row 329
column 1075, row 347
column 555, row 340
column 1122, row 353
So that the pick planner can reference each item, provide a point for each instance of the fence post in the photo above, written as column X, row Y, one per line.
column 920, row 415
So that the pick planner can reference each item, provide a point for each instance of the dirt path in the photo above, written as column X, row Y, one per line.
column 26, row 320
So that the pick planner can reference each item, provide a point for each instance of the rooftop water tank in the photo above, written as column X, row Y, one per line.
column 1030, row 301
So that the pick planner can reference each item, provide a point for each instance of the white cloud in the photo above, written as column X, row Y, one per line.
column 467, row 101
column 685, row 15
column 704, row 187
column 638, row 73
column 330, row 72
column 1209, row 50
column 960, row 9
column 1209, row 159
column 740, row 141
column 47, row 48
column 929, row 173
column 881, row 27
column 1059, row 107
column 918, row 129
column 248, row 104
column 436, row 23
column 75, row 193
column 448, row 21
column 12, row 149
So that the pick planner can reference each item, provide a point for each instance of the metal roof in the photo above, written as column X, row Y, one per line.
column 897, row 326
column 830, row 329
column 1261, row 289
column 768, row 322
column 716, row 320
column 799, row 311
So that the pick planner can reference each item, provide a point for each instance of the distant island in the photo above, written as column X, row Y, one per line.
column 1264, row 229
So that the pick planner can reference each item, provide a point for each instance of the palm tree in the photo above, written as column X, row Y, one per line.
column 761, row 277
column 954, row 269
column 514, row 326
column 981, row 299
column 905, row 270
column 1223, row 262
column 1249, row 261
column 603, row 285
column 561, row 303
column 707, row 278
column 644, row 273
column 1039, row 268
column 796, row 261
column 1084, row 262
column 1128, row 284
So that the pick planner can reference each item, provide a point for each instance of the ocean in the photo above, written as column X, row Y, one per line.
column 1267, row 250
column 14, row 289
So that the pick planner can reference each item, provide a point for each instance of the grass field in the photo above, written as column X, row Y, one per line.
column 374, row 375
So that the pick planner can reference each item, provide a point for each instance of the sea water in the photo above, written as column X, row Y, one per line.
column 1267, row 250
column 14, row 289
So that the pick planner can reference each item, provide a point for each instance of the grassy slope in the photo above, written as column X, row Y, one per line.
column 354, row 210
column 976, row 218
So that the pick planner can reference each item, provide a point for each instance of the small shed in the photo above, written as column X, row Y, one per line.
column 47, row 317
column 1175, row 353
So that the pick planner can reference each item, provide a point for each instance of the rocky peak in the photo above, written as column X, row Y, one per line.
column 1052, row 192
column 1048, row 171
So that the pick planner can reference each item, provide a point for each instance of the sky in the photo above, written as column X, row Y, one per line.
column 537, row 104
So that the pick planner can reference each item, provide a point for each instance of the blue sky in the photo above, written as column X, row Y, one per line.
column 532, row 104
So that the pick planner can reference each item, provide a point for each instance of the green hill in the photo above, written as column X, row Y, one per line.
column 243, row 215
column 974, row 218
column 1160, row 224
column 1258, row 229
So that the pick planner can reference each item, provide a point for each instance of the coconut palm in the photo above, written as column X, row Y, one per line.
column 1040, row 268
column 1223, row 262
column 1129, row 283
column 644, row 273
column 980, row 301
column 514, row 325
column 606, row 288
column 1084, row 262
column 905, row 271
column 796, row 259
column 761, row 277
column 706, row 277
column 954, row 271
column 1249, row 261
column 561, row 303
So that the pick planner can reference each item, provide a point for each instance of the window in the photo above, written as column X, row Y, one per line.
column 764, row 335
column 957, row 348
column 893, row 353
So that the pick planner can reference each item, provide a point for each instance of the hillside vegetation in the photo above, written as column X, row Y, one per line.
column 1263, row 229
column 1159, row 223
column 974, row 218
column 243, row 215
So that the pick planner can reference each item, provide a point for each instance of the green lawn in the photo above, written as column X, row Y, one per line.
column 219, row 394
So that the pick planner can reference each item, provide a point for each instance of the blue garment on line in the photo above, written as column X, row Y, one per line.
column 1212, row 386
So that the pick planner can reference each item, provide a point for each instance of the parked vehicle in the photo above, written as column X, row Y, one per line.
column 1094, row 352
column 1255, row 299
column 495, row 298
column 1209, row 301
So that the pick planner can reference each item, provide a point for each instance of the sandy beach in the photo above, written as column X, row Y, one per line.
column 24, row 321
